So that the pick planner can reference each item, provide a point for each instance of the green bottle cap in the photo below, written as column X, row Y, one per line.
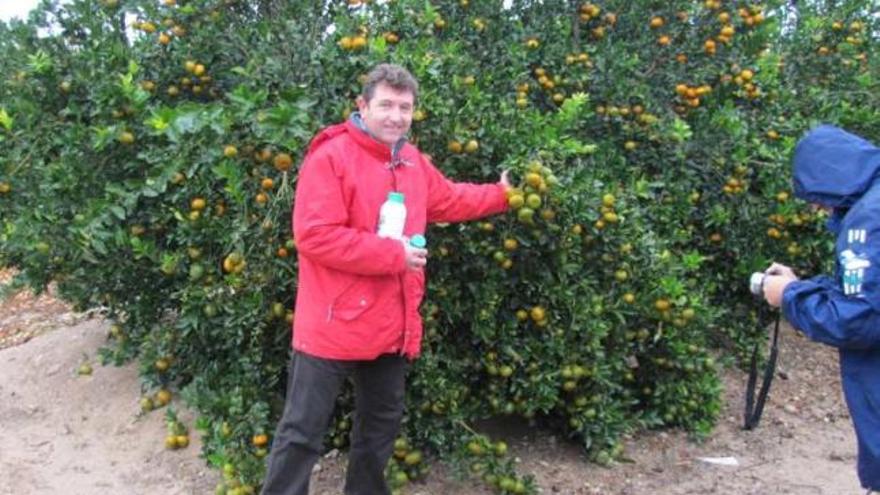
column 418, row 241
column 396, row 197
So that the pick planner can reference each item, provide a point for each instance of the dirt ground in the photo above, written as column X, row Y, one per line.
column 70, row 434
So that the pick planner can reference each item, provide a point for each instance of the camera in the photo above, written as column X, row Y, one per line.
column 756, row 283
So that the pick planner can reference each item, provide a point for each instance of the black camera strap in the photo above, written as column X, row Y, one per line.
column 755, row 409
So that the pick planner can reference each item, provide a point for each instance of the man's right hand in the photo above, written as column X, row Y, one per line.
column 416, row 258
column 780, row 269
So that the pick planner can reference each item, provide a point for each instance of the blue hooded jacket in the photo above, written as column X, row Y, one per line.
column 840, row 170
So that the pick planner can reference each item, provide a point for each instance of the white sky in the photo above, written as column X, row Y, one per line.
column 16, row 8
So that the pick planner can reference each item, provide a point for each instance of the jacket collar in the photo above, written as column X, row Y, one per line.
column 392, row 155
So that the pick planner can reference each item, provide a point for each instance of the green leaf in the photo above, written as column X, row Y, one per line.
column 118, row 211
column 234, row 180
column 5, row 119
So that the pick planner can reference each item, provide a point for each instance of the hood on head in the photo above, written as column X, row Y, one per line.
column 833, row 167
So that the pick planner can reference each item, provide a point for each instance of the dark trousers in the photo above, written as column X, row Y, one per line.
column 313, row 385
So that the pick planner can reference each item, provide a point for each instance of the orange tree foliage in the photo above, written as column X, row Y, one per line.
column 148, row 155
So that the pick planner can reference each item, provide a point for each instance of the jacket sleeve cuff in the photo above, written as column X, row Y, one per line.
column 500, row 204
column 789, row 300
column 398, row 253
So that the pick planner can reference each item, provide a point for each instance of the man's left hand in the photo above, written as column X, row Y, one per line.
column 505, row 180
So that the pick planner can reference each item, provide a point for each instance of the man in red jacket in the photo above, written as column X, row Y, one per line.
column 357, row 304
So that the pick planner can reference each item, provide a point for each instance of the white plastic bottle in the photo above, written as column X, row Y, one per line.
column 392, row 216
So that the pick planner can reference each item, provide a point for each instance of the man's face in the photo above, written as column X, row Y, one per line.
column 388, row 114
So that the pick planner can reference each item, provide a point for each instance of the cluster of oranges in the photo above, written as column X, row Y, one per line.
column 658, row 22
column 484, row 452
column 161, row 398
column 469, row 147
column 752, row 16
column 145, row 26
column 530, row 196
column 407, row 464
column 734, row 186
column 579, row 58
column 538, row 314
column 353, row 43
column 177, row 436
column 522, row 95
column 690, row 95
column 234, row 263
column 635, row 112
column 736, row 183
column 608, row 213
column 853, row 37
column 196, row 81
column 509, row 245
column 172, row 30
column 281, row 161
column 549, row 83
column 570, row 374
column 196, row 206
column 590, row 12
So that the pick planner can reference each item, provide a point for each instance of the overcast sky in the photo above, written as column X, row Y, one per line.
column 16, row 8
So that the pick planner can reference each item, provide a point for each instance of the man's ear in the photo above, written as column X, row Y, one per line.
column 361, row 103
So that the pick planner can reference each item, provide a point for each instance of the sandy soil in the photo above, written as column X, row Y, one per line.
column 70, row 434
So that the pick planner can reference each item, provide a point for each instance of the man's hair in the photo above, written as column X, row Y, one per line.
column 393, row 75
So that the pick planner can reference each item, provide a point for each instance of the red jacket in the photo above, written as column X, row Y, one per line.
column 356, row 297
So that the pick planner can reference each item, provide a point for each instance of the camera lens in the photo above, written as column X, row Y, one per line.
column 756, row 283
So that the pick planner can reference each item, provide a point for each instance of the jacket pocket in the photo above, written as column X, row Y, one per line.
column 415, row 281
column 354, row 301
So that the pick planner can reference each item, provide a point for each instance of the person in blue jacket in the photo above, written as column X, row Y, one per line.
column 839, row 171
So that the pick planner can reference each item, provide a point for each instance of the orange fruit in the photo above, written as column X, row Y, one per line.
column 126, row 137
column 171, row 442
column 260, row 440
column 538, row 313
column 163, row 397
column 534, row 179
column 182, row 441
column 282, row 162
